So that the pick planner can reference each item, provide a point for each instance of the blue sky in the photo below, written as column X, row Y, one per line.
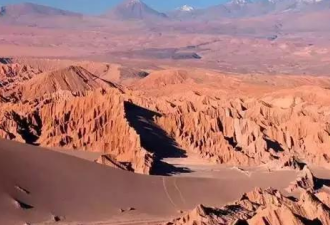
column 99, row 6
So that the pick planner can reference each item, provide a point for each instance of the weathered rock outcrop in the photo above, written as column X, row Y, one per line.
column 263, row 207
column 11, row 74
column 110, row 160
column 161, row 79
column 292, row 163
column 305, row 181
column 73, row 108
column 73, row 79
column 250, row 131
column 93, row 121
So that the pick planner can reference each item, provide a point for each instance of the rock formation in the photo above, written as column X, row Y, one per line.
column 293, row 163
column 110, row 160
column 14, row 74
column 250, row 131
column 73, row 108
column 159, row 79
column 73, row 79
column 266, row 207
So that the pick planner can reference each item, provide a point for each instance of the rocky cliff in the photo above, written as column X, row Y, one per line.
column 252, row 131
column 263, row 207
column 167, row 114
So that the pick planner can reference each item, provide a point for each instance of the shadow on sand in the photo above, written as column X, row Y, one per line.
column 154, row 139
column 320, row 183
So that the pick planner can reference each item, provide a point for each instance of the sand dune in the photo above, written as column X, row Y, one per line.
column 72, row 189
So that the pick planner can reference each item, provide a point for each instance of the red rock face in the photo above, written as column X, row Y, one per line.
column 305, row 181
column 12, row 74
column 172, row 113
column 261, row 207
column 69, row 109
column 75, row 109
column 95, row 122
column 250, row 131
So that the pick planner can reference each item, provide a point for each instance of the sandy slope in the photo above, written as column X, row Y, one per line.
column 55, row 184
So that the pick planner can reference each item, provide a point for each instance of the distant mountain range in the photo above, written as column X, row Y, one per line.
column 134, row 10
column 248, row 8
column 30, row 9
column 138, row 10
